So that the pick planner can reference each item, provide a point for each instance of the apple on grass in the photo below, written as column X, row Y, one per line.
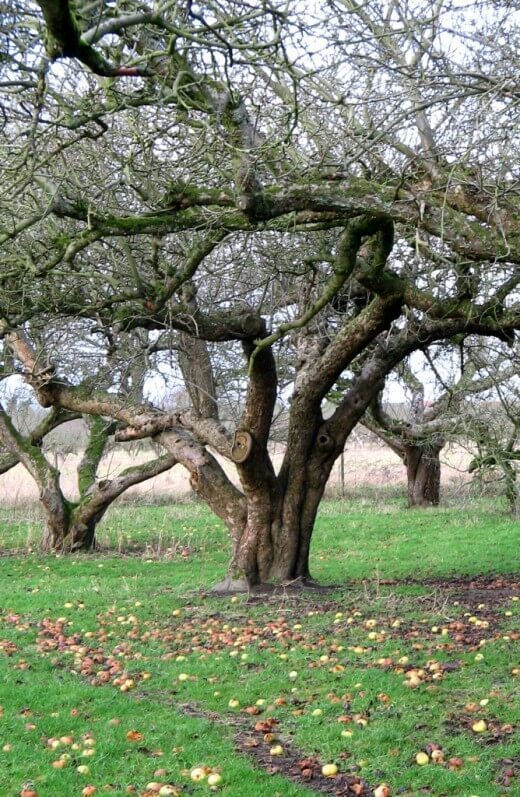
column 329, row 770
column 199, row 773
column 83, row 769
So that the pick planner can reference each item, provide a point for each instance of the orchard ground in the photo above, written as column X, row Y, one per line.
column 121, row 674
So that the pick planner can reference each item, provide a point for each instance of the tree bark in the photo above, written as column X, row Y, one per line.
column 423, row 469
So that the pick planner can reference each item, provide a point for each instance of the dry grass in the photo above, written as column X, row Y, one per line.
column 369, row 466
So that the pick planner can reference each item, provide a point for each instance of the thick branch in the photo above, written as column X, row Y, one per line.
column 197, row 372
column 65, row 41
column 104, row 492
column 207, row 478
column 56, row 417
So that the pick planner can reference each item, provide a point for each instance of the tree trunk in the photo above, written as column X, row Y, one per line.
column 83, row 534
column 512, row 488
column 281, row 510
column 423, row 469
column 68, row 526
column 57, row 512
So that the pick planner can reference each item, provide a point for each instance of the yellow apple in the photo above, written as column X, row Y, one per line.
column 198, row 773
column 329, row 770
column 83, row 769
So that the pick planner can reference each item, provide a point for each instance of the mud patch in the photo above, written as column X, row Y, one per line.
column 469, row 590
column 301, row 770
column 508, row 772
column 494, row 733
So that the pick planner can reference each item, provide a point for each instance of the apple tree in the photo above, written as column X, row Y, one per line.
column 461, row 374
column 311, row 192
column 118, row 366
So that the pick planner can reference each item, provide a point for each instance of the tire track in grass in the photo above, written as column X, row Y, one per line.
column 250, row 740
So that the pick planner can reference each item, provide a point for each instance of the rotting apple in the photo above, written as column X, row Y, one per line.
column 198, row 773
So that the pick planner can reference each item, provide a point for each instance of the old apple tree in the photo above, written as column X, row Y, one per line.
column 287, row 197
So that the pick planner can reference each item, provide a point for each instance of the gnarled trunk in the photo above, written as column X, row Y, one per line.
column 423, row 470
column 69, row 526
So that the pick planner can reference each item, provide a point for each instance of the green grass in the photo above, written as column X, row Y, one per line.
column 138, row 606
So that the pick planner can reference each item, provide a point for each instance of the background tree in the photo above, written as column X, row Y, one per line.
column 337, row 184
column 458, row 375
column 70, row 524
column 493, row 429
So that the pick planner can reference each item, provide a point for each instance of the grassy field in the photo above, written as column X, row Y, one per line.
column 119, row 674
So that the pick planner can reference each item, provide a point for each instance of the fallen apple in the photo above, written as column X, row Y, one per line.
column 214, row 779
column 66, row 740
column 480, row 726
column 89, row 741
column 198, row 773
column 382, row 791
column 329, row 770
column 422, row 758
column 276, row 750
column 455, row 763
column 83, row 769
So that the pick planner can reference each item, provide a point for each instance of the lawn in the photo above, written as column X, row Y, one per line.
column 119, row 674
